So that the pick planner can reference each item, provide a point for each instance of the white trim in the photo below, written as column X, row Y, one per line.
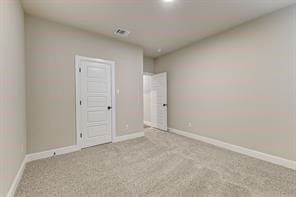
column 113, row 100
column 77, row 98
column 128, row 137
column 78, row 58
column 148, row 123
column 252, row 153
column 148, row 73
column 50, row 153
column 17, row 178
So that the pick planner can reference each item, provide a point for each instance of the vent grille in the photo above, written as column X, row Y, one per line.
column 121, row 32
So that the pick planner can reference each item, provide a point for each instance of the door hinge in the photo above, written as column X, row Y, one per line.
column 79, row 69
column 80, row 135
column 80, row 102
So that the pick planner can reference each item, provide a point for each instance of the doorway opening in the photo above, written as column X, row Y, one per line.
column 147, row 99
column 155, row 100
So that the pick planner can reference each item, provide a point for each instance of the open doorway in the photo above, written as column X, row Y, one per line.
column 147, row 99
column 155, row 100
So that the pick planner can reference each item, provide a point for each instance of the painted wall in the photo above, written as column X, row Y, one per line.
column 147, row 97
column 148, row 65
column 51, row 49
column 12, row 91
column 239, row 86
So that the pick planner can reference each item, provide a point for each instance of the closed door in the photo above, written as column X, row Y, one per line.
column 95, row 105
column 159, row 101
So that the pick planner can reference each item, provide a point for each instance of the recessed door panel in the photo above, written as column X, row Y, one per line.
column 95, row 72
column 97, row 101
column 96, row 116
column 97, row 130
column 97, row 86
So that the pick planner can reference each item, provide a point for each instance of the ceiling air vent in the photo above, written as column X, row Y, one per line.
column 121, row 32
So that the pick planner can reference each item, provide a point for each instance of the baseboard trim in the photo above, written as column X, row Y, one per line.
column 249, row 152
column 50, row 153
column 128, row 137
column 148, row 123
column 17, row 178
column 58, row 151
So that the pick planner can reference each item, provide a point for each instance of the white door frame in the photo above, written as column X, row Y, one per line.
column 78, row 58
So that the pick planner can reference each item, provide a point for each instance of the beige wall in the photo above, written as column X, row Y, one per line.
column 148, row 65
column 240, row 86
column 12, row 92
column 51, row 87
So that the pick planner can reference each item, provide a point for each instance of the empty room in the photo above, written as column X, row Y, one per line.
column 156, row 98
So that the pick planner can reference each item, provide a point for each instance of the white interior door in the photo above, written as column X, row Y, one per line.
column 96, row 99
column 159, row 101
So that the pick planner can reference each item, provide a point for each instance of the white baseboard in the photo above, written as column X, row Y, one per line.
column 17, row 178
column 148, row 123
column 50, row 153
column 36, row 156
column 58, row 151
column 128, row 137
column 252, row 153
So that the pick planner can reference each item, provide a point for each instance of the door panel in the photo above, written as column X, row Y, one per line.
column 97, row 130
column 96, row 116
column 96, row 97
column 96, row 101
column 159, row 101
column 94, row 72
column 97, row 86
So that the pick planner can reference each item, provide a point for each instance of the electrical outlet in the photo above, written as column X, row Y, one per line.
column 126, row 126
column 189, row 124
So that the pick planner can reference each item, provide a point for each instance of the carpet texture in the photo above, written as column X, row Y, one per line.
column 159, row 164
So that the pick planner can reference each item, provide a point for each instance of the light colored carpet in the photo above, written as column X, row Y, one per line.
column 159, row 164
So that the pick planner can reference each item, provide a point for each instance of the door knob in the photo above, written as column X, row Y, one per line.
column 164, row 105
column 109, row 107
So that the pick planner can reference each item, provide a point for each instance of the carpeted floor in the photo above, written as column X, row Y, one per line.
column 159, row 164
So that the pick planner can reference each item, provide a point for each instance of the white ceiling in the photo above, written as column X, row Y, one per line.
column 154, row 24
